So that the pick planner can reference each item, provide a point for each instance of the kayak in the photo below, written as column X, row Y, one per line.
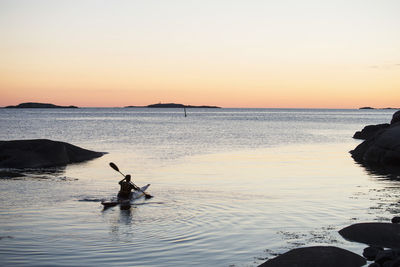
column 125, row 202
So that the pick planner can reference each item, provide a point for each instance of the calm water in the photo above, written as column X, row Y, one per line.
column 232, row 187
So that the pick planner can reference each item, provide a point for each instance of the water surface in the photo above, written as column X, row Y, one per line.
column 232, row 187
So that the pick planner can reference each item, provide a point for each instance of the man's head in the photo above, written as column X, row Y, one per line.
column 128, row 178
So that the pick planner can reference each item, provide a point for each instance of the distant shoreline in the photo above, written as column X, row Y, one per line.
column 38, row 105
column 376, row 108
column 171, row 105
column 175, row 105
column 159, row 105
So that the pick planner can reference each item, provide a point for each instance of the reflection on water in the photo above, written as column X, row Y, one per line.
column 226, row 209
column 39, row 173
column 230, row 187
column 382, row 171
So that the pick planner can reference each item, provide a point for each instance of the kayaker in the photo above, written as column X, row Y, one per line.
column 126, row 187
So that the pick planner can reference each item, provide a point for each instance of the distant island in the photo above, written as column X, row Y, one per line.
column 376, row 108
column 38, row 105
column 172, row 105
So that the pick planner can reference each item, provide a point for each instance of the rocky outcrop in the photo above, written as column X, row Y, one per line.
column 42, row 153
column 38, row 105
column 326, row 256
column 381, row 149
column 383, row 238
column 385, row 235
column 370, row 130
column 395, row 118
column 381, row 146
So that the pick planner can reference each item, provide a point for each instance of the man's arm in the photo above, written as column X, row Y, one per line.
column 134, row 186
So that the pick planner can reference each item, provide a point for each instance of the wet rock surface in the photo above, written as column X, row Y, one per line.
column 385, row 235
column 327, row 256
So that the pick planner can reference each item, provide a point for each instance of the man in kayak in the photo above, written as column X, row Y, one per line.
column 126, row 187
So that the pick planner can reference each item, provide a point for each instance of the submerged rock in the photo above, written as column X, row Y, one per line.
column 385, row 235
column 42, row 153
column 327, row 256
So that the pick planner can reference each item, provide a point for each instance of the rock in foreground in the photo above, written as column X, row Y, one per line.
column 385, row 235
column 42, row 153
column 316, row 256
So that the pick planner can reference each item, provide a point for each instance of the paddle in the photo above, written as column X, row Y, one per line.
column 115, row 167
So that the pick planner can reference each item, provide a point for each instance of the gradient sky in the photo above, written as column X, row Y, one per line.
column 230, row 53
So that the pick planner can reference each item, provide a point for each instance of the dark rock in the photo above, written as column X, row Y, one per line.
column 396, row 220
column 385, row 235
column 370, row 130
column 316, row 256
column 383, row 148
column 395, row 118
column 382, row 145
column 39, row 105
column 385, row 256
column 41, row 153
column 396, row 262
column 370, row 252
column 387, row 263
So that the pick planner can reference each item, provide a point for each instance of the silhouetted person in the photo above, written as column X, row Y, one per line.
column 126, row 187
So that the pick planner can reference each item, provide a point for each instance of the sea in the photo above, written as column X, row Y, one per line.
column 231, row 187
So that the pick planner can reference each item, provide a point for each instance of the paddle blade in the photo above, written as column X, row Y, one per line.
column 112, row 165
column 147, row 196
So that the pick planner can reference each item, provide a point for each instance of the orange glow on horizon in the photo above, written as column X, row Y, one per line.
column 263, row 55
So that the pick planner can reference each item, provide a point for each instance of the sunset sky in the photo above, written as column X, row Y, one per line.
column 229, row 53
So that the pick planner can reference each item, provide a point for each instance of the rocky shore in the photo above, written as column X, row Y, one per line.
column 380, row 149
column 42, row 153
column 381, row 145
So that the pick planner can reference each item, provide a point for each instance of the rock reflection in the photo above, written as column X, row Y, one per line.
column 41, row 173
column 387, row 172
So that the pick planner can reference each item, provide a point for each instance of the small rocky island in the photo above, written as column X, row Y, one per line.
column 38, row 105
column 171, row 105
column 42, row 153
column 376, row 108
